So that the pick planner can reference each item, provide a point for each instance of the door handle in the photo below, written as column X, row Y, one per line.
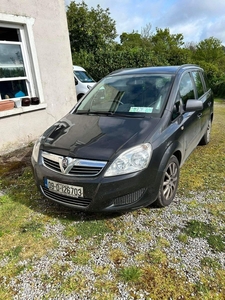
column 199, row 115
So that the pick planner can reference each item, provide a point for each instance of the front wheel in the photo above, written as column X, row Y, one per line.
column 169, row 183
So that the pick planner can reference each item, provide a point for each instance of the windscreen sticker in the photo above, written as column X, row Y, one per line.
column 147, row 110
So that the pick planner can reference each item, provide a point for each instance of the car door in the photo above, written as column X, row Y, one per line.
column 189, row 122
column 205, row 95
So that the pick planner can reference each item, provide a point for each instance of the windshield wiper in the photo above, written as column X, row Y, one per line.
column 82, row 112
column 129, row 115
column 110, row 113
column 106, row 113
column 90, row 112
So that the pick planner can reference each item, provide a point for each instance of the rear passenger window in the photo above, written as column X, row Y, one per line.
column 186, row 88
column 198, row 83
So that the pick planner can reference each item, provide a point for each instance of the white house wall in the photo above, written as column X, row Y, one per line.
column 52, row 61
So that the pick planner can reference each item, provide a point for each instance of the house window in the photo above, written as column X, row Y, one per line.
column 14, row 81
column 19, row 72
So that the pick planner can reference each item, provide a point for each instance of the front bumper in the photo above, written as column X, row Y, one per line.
column 118, row 193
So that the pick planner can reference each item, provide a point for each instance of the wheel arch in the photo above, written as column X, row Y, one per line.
column 79, row 96
column 178, row 156
column 173, row 149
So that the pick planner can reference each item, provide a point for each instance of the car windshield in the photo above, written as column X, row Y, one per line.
column 83, row 76
column 131, row 95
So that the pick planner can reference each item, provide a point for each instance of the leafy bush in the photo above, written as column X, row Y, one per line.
column 219, row 89
column 104, row 62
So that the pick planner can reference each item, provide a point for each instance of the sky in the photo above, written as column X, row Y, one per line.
column 195, row 19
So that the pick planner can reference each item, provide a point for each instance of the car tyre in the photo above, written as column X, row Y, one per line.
column 206, row 137
column 169, row 183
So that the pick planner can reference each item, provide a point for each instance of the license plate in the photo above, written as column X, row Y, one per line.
column 64, row 189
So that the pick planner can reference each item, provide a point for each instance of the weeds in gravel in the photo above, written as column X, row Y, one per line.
column 198, row 229
column 131, row 273
column 156, row 256
column 80, row 257
column 117, row 256
column 208, row 262
column 87, row 229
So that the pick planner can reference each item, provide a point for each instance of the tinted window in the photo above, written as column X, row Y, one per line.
column 198, row 83
column 186, row 88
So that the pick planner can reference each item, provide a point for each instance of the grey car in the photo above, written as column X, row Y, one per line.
column 122, row 145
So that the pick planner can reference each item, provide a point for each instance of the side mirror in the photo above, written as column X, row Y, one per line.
column 193, row 105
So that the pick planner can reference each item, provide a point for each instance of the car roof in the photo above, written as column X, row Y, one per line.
column 78, row 68
column 156, row 69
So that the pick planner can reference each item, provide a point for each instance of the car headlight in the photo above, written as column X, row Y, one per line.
column 35, row 152
column 132, row 160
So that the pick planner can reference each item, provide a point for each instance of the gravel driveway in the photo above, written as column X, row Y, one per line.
column 144, row 231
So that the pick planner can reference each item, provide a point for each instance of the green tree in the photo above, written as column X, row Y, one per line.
column 210, row 50
column 130, row 40
column 210, row 55
column 168, row 47
column 103, row 62
column 89, row 30
column 136, row 40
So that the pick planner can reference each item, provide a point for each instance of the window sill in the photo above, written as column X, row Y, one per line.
column 21, row 110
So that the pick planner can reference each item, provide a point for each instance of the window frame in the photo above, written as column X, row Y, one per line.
column 28, row 49
column 179, row 104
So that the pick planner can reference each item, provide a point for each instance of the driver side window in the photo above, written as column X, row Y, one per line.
column 186, row 88
column 185, row 92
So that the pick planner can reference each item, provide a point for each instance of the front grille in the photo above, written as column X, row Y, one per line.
column 81, row 202
column 129, row 198
column 51, row 164
column 74, row 166
column 88, row 171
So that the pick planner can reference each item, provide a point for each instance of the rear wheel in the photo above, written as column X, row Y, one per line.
column 169, row 183
column 206, row 137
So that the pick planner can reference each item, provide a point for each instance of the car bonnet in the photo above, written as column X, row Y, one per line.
column 96, row 137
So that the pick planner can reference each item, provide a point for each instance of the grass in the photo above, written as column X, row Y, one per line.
column 131, row 273
column 86, row 230
column 33, row 228
column 202, row 230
